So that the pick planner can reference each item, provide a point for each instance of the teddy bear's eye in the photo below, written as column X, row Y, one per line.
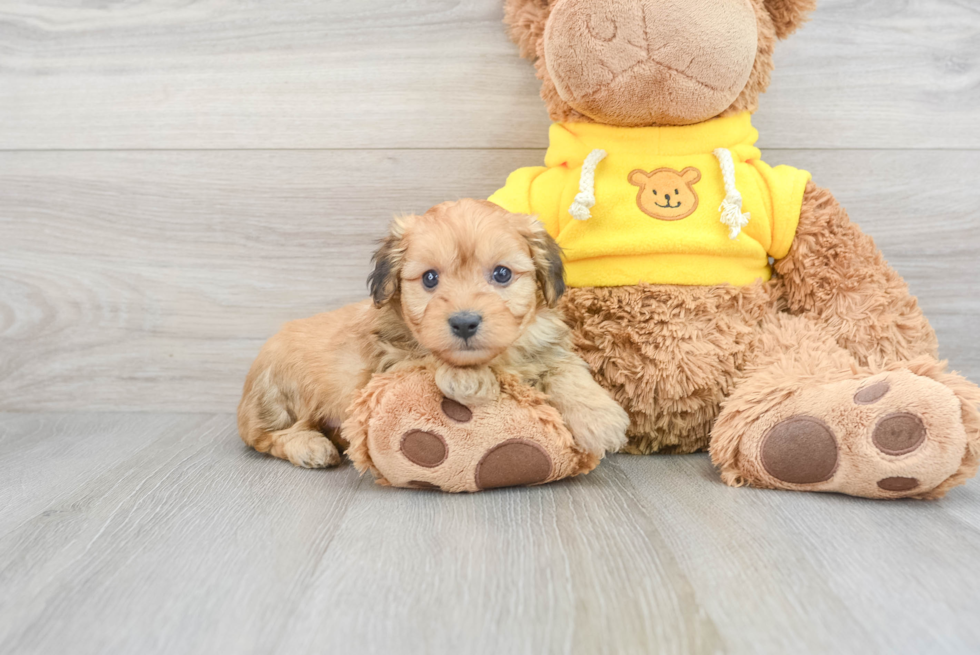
column 676, row 192
column 654, row 192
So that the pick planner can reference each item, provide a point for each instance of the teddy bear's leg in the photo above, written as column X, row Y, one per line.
column 835, row 276
column 807, row 416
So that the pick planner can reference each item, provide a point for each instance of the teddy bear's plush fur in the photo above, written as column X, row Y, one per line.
column 823, row 378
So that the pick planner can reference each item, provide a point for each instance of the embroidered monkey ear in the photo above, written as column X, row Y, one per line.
column 640, row 178
column 788, row 15
column 691, row 175
column 526, row 20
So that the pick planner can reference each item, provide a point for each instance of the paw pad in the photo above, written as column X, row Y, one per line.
column 422, row 484
column 800, row 450
column 456, row 411
column 898, row 484
column 424, row 448
column 513, row 463
column 872, row 393
column 899, row 434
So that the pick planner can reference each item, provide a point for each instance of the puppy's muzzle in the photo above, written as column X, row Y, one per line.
column 465, row 324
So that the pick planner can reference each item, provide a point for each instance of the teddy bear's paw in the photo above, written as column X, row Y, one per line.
column 892, row 435
column 311, row 450
column 511, row 463
column 420, row 439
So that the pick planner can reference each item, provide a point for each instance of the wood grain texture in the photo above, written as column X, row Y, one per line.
column 432, row 74
column 179, row 178
column 191, row 543
column 148, row 281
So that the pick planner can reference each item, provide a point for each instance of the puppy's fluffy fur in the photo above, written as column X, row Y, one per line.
column 305, row 377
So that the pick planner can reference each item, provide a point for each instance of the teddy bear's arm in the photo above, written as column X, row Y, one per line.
column 835, row 275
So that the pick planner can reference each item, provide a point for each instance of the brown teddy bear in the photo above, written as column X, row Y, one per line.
column 728, row 305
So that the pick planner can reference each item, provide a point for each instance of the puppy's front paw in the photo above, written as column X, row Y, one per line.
column 598, row 427
column 470, row 386
column 311, row 450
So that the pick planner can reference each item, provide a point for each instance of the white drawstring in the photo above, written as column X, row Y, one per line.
column 585, row 200
column 731, row 206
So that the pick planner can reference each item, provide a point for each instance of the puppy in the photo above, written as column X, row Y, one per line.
column 467, row 285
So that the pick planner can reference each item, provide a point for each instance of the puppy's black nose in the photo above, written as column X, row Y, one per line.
column 465, row 324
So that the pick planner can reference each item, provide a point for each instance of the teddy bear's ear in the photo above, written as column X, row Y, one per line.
column 789, row 15
column 526, row 20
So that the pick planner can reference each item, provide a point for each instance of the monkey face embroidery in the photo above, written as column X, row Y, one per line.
column 666, row 194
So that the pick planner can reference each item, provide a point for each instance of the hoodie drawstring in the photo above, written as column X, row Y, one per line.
column 731, row 206
column 585, row 200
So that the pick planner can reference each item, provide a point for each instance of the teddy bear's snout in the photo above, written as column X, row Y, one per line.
column 641, row 62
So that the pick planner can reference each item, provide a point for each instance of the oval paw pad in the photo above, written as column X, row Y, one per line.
column 424, row 448
column 456, row 411
column 872, row 393
column 800, row 450
column 898, row 484
column 899, row 434
column 513, row 463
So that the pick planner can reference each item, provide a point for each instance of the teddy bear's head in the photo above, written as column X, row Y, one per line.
column 652, row 62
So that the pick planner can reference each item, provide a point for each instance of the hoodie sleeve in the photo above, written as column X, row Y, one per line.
column 786, row 186
column 515, row 196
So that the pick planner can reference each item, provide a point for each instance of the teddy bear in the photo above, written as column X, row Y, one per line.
column 407, row 434
column 726, row 304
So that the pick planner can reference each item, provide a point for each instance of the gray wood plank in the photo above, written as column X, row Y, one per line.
column 148, row 281
column 194, row 544
column 859, row 575
column 432, row 74
column 45, row 459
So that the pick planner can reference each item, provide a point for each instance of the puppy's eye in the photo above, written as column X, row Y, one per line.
column 430, row 279
column 502, row 275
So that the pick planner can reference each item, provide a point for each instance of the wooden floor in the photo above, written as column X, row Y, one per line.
column 179, row 178
column 162, row 533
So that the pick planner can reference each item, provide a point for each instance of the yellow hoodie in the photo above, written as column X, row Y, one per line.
column 661, row 209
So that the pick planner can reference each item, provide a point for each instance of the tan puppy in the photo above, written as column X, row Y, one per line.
column 467, row 284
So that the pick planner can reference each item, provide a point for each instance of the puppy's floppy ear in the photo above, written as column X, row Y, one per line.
column 789, row 15
column 526, row 20
column 548, row 267
column 385, row 280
